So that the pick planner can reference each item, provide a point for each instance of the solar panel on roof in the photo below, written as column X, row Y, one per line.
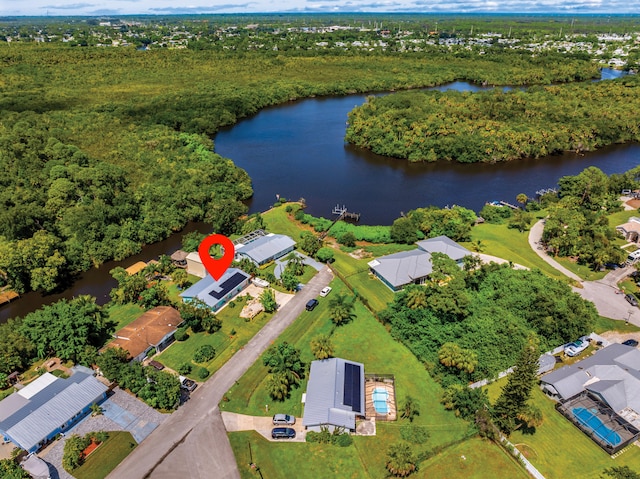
column 227, row 286
column 352, row 386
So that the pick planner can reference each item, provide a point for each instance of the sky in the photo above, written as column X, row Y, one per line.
column 167, row 7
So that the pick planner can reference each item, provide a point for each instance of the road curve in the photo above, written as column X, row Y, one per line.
column 192, row 443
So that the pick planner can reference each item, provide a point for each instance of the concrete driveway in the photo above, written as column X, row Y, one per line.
column 192, row 443
column 263, row 425
column 604, row 293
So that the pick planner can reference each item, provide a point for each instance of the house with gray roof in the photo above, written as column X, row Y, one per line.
column 335, row 395
column 262, row 249
column 216, row 293
column 601, row 395
column 31, row 417
column 413, row 267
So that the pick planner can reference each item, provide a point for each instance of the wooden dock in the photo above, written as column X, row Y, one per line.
column 7, row 295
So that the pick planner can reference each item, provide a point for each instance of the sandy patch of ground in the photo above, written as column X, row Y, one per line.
column 360, row 254
column 617, row 337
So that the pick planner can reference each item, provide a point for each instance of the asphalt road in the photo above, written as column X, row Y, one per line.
column 192, row 443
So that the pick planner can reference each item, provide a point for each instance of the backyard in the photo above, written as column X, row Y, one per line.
column 365, row 458
column 107, row 456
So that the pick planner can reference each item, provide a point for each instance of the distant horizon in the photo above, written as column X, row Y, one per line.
column 75, row 8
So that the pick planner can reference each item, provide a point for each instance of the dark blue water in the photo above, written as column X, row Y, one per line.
column 298, row 150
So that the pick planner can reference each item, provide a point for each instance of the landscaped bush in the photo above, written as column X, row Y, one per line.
column 202, row 373
column 73, row 455
column 298, row 215
column 181, row 334
column 373, row 234
column 204, row 353
column 325, row 255
column 184, row 369
column 338, row 437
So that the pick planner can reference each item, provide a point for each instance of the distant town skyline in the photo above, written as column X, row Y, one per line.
column 167, row 7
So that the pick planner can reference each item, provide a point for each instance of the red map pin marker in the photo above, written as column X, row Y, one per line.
column 216, row 267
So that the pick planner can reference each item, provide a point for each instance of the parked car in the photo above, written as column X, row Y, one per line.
column 311, row 304
column 630, row 342
column 325, row 291
column 631, row 299
column 186, row 383
column 283, row 433
column 283, row 420
column 576, row 347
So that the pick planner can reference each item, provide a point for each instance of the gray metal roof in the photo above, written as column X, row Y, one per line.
column 265, row 247
column 325, row 395
column 444, row 244
column 403, row 268
column 211, row 291
column 546, row 362
column 612, row 372
column 50, row 408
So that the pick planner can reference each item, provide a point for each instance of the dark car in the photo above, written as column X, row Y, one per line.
column 631, row 299
column 630, row 342
column 311, row 304
column 283, row 433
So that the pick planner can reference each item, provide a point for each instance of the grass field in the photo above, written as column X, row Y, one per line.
column 473, row 459
column 582, row 270
column 123, row 314
column 510, row 244
column 225, row 343
column 106, row 457
column 558, row 446
column 353, row 341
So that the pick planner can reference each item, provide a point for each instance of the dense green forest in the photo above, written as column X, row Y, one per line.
column 469, row 325
column 498, row 125
column 101, row 148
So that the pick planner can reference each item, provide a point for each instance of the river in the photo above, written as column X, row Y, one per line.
column 298, row 150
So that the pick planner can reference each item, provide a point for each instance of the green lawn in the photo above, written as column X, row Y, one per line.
column 558, row 446
column 475, row 458
column 294, row 460
column 277, row 221
column 107, row 456
column 123, row 314
column 510, row 244
column 225, row 344
column 607, row 324
column 582, row 270
column 354, row 341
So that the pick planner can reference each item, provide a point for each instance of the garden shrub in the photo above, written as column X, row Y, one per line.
column 202, row 373
column 181, row 334
column 184, row 369
column 325, row 255
column 204, row 353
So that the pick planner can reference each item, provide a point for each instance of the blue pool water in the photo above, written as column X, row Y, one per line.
column 594, row 423
column 380, row 396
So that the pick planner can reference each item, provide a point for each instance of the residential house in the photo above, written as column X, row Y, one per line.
column 413, row 267
column 630, row 230
column 263, row 249
column 152, row 330
column 216, row 293
column 33, row 416
column 601, row 395
column 194, row 265
column 335, row 395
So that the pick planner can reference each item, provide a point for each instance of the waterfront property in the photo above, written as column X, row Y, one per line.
column 153, row 329
column 414, row 267
column 216, row 293
column 33, row 416
column 261, row 247
column 601, row 395
column 194, row 265
column 335, row 395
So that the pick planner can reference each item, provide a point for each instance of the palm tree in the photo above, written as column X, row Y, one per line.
column 400, row 459
column 296, row 264
column 522, row 198
column 278, row 387
column 410, row 409
column 322, row 347
column 416, row 298
column 341, row 309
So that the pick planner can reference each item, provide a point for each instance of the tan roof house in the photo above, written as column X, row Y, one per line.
column 631, row 229
column 153, row 329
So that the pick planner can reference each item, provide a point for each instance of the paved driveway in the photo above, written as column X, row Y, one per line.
column 604, row 293
column 192, row 443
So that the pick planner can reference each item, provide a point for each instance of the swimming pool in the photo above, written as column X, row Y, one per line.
column 379, row 397
column 589, row 420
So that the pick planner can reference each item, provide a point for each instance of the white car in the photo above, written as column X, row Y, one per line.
column 576, row 347
column 325, row 291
